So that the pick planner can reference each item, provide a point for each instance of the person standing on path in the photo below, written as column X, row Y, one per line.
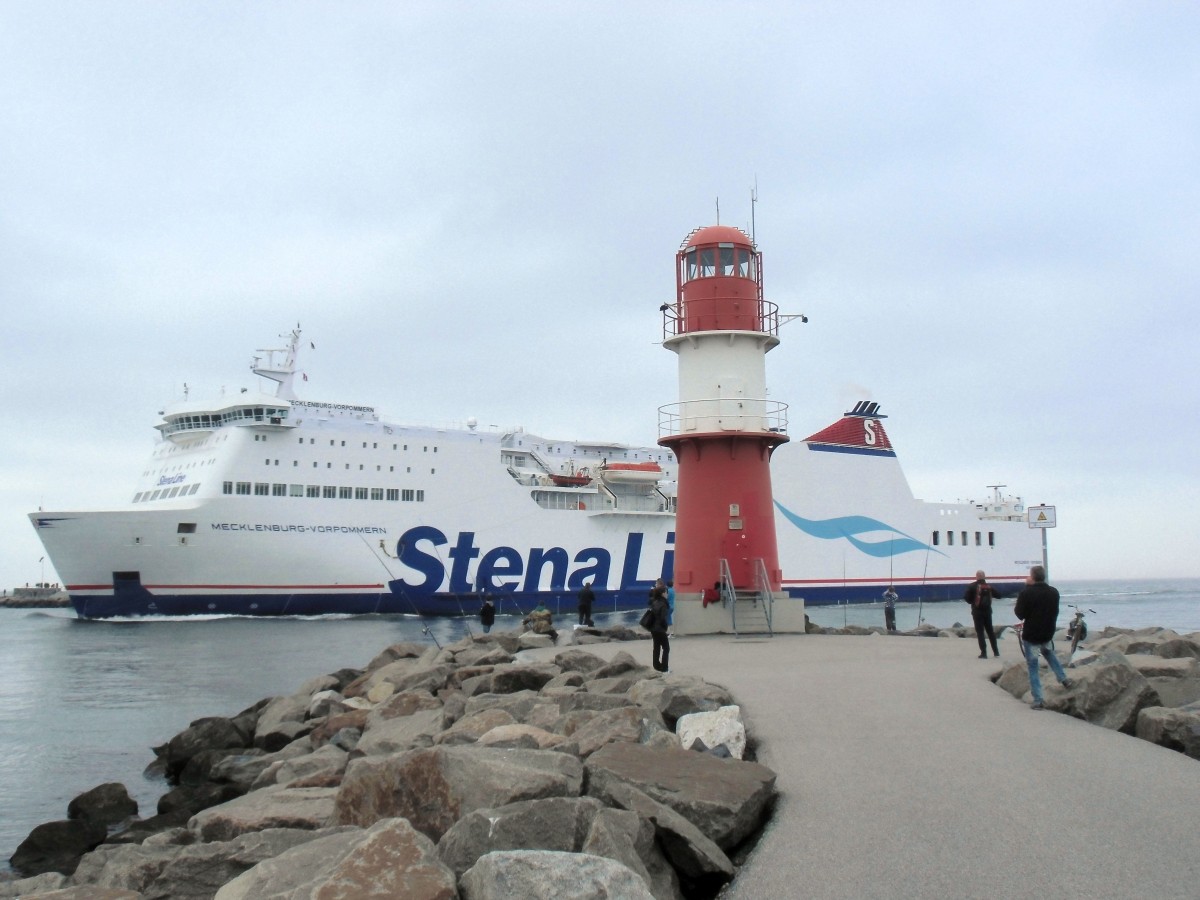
column 487, row 615
column 889, row 608
column 979, row 594
column 1037, row 607
column 659, row 613
column 586, row 597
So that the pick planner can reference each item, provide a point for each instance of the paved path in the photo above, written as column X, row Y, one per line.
column 904, row 772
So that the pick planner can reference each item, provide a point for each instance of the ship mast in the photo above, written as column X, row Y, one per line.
column 284, row 372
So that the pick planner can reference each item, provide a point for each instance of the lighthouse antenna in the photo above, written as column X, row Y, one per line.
column 718, row 210
column 753, row 201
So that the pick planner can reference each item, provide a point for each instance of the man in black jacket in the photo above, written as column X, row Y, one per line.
column 979, row 594
column 1037, row 607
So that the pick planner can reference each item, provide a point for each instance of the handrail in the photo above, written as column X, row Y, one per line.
column 708, row 310
column 754, row 415
column 765, row 595
column 725, row 590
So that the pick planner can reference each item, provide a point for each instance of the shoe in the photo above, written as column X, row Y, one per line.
column 1038, row 705
column 996, row 654
column 983, row 656
column 1068, row 684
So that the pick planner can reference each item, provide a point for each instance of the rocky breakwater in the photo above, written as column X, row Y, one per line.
column 1144, row 682
column 459, row 772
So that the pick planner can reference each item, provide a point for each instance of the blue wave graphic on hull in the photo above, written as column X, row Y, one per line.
column 850, row 527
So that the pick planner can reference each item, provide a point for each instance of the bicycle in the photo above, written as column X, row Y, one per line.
column 1077, row 629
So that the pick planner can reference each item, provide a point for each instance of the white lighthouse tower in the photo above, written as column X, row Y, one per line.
column 723, row 431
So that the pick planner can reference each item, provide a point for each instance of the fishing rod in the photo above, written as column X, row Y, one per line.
column 424, row 624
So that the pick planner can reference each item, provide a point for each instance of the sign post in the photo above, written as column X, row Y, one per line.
column 1042, row 517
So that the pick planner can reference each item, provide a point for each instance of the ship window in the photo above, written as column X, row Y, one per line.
column 708, row 263
column 295, row 490
column 991, row 539
column 137, row 498
column 393, row 494
column 374, row 446
column 227, row 487
column 964, row 539
column 743, row 258
column 279, row 490
column 174, row 492
column 949, row 538
column 195, row 487
column 978, row 539
column 185, row 528
column 243, row 487
column 364, row 445
column 266, row 462
column 313, row 490
column 345, row 493
column 420, row 496
column 690, row 270
column 329, row 492
column 935, row 538
column 261, row 489
column 726, row 254
column 331, row 443
column 360, row 493
column 408, row 495
column 433, row 471
column 376, row 493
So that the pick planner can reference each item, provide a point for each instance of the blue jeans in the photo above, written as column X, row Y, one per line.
column 1032, row 652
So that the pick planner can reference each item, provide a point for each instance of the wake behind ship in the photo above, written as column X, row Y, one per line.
column 262, row 503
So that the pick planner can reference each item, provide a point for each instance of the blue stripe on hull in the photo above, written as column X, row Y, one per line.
column 129, row 601
column 908, row 593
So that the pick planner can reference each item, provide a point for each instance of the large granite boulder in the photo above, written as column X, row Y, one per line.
column 1109, row 692
column 209, row 733
column 630, row 839
column 269, row 807
column 391, row 859
column 678, row 695
column 511, row 679
column 634, row 724
column 108, row 804
column 701, row 865
column 710, row 730
column 727, row 799
column 1177, row 729
column 56, row 846
column 555, row 823
column 162, row 871
column 509, row 874
column 433, row 788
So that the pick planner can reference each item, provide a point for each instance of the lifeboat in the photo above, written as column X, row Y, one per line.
column 571, row 480
column 636, row 473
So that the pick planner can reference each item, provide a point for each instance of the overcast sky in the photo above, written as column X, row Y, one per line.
column 989, row 213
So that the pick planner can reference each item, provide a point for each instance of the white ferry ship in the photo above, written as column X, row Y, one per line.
column 266, row 504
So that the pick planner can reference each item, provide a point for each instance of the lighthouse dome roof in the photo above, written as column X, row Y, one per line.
column 718, row 234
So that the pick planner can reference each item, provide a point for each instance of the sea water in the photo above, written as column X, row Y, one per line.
column 83, row 702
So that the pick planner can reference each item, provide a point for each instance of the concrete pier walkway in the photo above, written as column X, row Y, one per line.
column 904, row 772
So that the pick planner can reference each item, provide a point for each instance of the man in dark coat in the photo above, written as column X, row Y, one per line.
column 585, row 604
column 1037, row 607
column 487, row 615
column 660, row 612
column 979, row 594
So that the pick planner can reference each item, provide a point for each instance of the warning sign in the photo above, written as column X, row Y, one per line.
column 1040, row 516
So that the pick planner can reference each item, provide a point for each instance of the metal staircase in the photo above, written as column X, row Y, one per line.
column 749, row 608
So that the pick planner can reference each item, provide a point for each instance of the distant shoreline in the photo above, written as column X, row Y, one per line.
column 36, row 598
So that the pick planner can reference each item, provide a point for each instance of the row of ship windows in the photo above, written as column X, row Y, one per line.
column 322, row 491
column 991, row 538
column 373, row 444
column 329, row 465
column 180, row 490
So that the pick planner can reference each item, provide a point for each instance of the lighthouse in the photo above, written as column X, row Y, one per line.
column 723, row 431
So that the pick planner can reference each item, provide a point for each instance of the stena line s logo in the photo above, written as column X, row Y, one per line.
column 869, row 432
column 508, row 569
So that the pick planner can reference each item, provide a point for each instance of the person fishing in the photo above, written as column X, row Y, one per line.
column 980, row 595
